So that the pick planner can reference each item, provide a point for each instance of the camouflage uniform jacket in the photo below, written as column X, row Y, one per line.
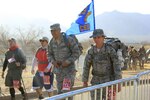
column 61, row 52
column 134, row 54
column 104, row 64
column 142, row 52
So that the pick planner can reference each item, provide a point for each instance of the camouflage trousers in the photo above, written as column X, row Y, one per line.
column 129, row 63
column 102, row 95
column 134, row 63
column 97, row 95
column 99, row 80
column 60, row 79
column 141, row 62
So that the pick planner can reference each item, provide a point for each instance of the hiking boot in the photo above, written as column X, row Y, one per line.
column 13, row 98
column 41, row 97
column 24, row 96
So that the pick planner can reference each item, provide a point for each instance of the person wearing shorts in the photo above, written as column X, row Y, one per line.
column 43, row 76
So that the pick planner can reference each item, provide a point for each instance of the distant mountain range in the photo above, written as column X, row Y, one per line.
column 25, row 23
column 129, row 27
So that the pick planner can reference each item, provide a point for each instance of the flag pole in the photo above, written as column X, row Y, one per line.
column 93, row 13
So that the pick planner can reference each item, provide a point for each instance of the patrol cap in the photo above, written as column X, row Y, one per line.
column 55, row 26
column 98, row 32
column 11, row 40
column 44, row 39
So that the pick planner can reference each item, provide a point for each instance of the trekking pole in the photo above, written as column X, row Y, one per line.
column 24, row 87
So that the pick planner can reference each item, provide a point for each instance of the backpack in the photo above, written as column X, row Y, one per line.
column 113, row 42
column 119, row 48
column 23, row 63
column 75, row 39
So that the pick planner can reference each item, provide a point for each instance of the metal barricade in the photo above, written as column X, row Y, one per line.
column 133, row 88
column 143, row 85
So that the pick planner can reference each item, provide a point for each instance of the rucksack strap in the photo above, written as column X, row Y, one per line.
column 66, row 40
column 108, row 57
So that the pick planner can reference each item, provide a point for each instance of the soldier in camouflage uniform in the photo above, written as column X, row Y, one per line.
column 125, row 56
column 63, row 56
column 129, row 57
column 134, row 57
column 15, row 60
column 142, row 55
column 104, row 62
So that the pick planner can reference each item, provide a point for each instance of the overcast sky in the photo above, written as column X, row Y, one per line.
column 66, row 11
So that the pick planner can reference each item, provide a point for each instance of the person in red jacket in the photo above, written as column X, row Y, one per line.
column 43, row 76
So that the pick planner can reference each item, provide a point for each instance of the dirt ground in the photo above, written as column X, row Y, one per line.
column 27, row 78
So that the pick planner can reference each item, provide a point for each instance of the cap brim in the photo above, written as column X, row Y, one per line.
column 41, row 40
column 93, row 36
column 11, row 40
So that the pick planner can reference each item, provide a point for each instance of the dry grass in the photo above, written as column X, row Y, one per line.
column 147, row 46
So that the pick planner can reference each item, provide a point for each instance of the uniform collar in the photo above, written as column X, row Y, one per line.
column 99, row 49
column 60, row 39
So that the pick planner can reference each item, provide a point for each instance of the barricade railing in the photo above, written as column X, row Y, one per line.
column 143, row 82
column 133, row 88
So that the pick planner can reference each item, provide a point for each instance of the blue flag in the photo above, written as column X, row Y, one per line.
column 85, row 21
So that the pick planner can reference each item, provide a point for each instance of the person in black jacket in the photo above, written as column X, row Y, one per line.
column 15, row 60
